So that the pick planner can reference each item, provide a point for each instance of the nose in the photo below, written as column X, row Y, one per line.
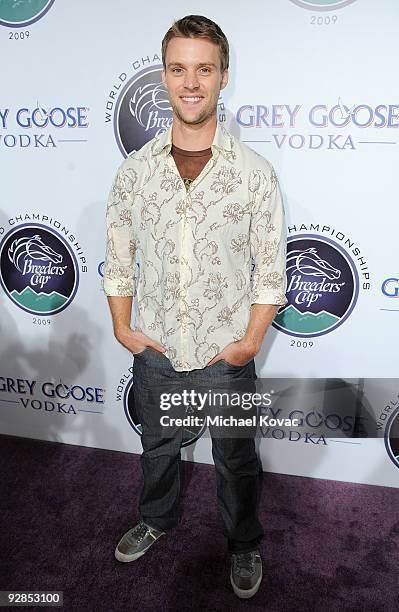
column 191, row 80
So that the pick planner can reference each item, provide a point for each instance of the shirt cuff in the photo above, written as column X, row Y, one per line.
column 268, row 297
column 120, row 287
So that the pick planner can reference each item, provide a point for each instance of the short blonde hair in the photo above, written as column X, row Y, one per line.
column 197, row 26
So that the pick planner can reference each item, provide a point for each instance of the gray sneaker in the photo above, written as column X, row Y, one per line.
column 246, row 573
column 136, row 542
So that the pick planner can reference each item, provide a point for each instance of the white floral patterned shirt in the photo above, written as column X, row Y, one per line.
column 186, row 255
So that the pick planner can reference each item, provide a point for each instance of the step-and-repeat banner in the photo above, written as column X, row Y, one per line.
column 313, row 88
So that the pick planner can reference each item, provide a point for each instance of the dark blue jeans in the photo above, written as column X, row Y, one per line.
column 236, row 462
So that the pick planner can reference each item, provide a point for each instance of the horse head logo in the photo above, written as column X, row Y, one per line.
column 146, row 98
column 31, row 248
column 309, row 262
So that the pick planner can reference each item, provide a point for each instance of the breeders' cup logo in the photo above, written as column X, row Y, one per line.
column 322, row 5
column 392, row 437
column 38, row 270
column 322, row 289
column 20, row 13
column 143, row 110
column 189, row 435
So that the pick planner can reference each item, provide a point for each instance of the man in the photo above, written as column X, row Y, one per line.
column 192, row 207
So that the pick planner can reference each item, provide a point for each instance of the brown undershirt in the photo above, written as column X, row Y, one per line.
column 190, row 163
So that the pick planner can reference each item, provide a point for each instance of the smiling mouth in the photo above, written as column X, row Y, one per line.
column 191, row 99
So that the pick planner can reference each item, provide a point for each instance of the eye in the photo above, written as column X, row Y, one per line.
column 176, row 70
column 205, row 70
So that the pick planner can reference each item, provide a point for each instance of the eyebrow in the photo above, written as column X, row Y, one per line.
column 198, row 65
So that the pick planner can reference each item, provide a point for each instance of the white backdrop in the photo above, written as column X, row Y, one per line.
column 313, row 89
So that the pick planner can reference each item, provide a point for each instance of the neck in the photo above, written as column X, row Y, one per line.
column 193, row 137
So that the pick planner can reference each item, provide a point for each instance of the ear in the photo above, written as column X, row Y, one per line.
column 163, row 76
column 225, row 79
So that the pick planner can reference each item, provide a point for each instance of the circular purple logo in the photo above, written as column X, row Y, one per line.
column 322, row 287
column 143, row 110
column 189, row 435
column 38, row 269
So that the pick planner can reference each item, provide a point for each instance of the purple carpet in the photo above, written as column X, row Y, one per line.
column 329, row 546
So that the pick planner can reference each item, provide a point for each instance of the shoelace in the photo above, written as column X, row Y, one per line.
column 245, row 562
column 138, row 532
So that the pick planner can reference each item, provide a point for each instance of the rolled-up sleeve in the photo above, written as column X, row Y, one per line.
column 268, row 241
column 120, row 250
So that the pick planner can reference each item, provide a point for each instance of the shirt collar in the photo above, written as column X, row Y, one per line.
column 222, row 142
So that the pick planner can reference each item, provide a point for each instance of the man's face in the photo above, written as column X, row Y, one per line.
column 193, row 78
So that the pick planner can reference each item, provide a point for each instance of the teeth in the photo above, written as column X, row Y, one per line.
column 191, row 99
